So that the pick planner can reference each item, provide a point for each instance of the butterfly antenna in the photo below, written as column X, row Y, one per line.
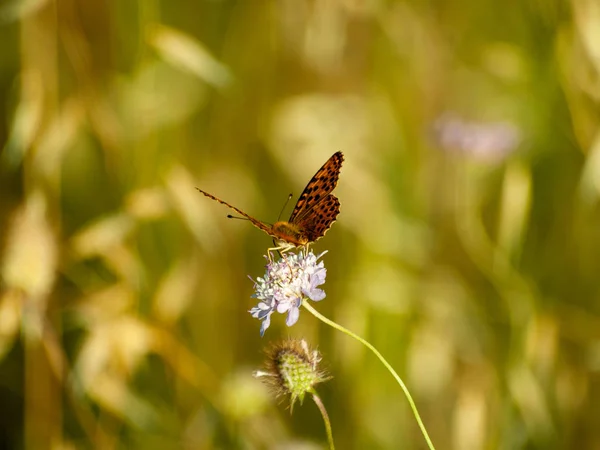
column 229, row 216
column 284, row 205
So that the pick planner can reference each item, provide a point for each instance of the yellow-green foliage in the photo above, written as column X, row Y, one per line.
column 467, row 249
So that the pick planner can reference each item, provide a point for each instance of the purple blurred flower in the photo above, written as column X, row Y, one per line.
column 491, row 141
column 286, row 283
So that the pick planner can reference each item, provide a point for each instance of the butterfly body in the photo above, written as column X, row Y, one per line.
column 288, row 233
column 314, row 213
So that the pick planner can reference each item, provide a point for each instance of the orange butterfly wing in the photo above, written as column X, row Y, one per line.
column 317, row 208
column 314, row 225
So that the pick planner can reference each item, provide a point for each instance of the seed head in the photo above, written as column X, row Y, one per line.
column 292, row 368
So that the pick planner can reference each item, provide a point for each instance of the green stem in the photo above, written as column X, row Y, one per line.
column 321, row 407
column 321, row 317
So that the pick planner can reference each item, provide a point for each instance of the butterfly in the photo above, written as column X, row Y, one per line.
column 314, row 213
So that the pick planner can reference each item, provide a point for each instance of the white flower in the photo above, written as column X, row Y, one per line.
column 286, row 283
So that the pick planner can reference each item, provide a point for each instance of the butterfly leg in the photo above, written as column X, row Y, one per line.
column 280, row 248
column 269, row 250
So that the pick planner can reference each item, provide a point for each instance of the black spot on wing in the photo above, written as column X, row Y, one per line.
column 322, row 216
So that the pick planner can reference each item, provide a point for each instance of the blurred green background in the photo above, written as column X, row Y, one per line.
column 467, row 249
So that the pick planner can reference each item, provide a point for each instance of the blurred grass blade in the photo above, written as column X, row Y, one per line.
column 589, row 185
column 18, row 9
column 186, row 203
column 31, row 251
column 26, row 119
column 514, row 212
column 175, row 292
column 102, row 236
column 190, row 55
column 10, row 319
column 58, row 137
column 109, row 357
column 587, row 17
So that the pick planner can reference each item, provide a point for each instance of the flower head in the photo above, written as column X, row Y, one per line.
column 292, row 368
column 488, row 141
column 286, row 283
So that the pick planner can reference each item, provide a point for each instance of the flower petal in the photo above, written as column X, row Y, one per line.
column 316, row 294
column 264, row 325
column 292, row 316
